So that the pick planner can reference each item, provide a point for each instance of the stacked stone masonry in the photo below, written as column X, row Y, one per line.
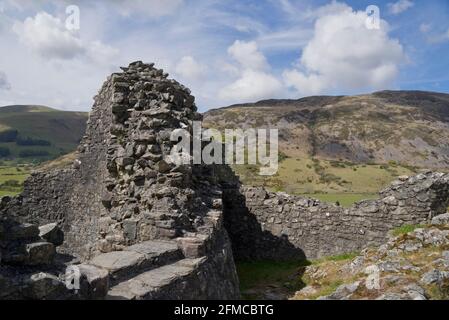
column 281, row 226
column 123, row 197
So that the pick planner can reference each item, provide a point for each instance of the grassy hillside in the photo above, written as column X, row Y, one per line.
column 37, row 133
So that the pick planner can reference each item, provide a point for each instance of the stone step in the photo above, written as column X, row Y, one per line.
column 141, row 257
column 148, row 285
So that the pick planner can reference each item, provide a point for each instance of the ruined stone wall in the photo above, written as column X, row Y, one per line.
column 266, row 225
column 72, row 196
column 125, row 189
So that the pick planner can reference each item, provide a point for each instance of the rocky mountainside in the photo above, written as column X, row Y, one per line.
column 408, row 127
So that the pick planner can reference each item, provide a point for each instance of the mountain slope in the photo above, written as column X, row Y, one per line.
column 345, row 148
column 409, row 127
column 38, row 133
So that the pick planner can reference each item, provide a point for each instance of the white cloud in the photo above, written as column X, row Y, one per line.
column 4, row 83
column 189, row 68
column 254, row 82
column 252, row 85
column 248, row 55
column 400, row 6
column 345, row 55
column 48, row 37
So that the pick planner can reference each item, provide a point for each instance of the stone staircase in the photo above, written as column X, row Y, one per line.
column 145, row 270
column 136, row 259
column 166, row 282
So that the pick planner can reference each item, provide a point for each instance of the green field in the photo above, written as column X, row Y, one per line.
column 327, row 180
column 12, row 178
column 61, row 130
column 344, row 199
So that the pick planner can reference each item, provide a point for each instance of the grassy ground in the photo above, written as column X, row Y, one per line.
column 307, row 175
column 258, row 278
column 283, row 278
column 345, row 199
column 12, row 178
column 326, row 180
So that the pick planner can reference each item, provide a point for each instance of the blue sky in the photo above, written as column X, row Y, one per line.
column 227, row 51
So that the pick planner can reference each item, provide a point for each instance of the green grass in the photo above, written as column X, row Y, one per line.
column 337, row 257
column 345, row 199
column 9, row 174
column 260, row 274
column 317, row 176
column 406, row 229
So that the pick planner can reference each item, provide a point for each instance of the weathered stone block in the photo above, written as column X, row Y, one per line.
column 40, row 253
column 22, row 231
column 94, row 282
column 52, row 233
column 43, row 285
column 191, row 247
column 130, row 229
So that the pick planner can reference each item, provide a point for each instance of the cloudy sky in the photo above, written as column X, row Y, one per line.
column 226, row 51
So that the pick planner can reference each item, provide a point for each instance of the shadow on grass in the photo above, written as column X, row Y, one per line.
column 272, row 280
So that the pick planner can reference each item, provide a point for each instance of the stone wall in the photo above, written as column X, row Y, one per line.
column 72, row 196
column 266, row 225
column 124, row 188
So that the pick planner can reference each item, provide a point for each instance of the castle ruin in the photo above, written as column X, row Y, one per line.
column 137, row 226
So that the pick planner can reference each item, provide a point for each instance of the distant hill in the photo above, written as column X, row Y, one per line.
column 409, row 127
column 30, row 133
column 345, row 144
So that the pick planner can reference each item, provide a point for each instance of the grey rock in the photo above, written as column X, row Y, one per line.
column 445, row 257
column 344, row 291
column 94, row 282
column 22, row 231
column 442, row 219
column 130, row 229
column 43, row 285
column 391, row 296
column 52, row 233
column 434, row 276
column 415, row 292
column 162, row 166
column 40, row 253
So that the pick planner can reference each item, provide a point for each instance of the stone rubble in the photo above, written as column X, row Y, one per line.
column 391, row 272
